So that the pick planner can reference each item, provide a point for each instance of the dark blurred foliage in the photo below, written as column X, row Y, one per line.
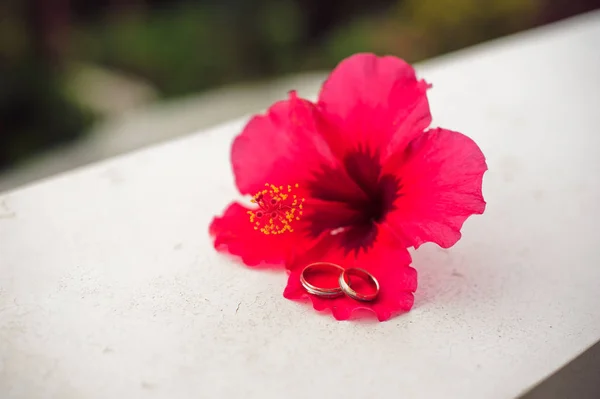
column 185, row 46
column 35, row 111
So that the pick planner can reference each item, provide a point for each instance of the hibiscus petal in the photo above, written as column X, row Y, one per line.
column 279, row 147
column 373, row 102
column 233, row 233
column 389, row 264
column 441, row 176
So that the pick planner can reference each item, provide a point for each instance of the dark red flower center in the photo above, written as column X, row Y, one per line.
column 352, row 199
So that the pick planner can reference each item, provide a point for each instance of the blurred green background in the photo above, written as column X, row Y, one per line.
column 183, row 47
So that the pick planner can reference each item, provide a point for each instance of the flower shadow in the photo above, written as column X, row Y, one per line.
column 456, row 276
column 358, row 316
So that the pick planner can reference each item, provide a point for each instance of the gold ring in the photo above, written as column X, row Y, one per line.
column 332, row 292
column 345, row 285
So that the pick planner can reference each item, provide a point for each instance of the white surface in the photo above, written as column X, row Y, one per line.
column 110, row 287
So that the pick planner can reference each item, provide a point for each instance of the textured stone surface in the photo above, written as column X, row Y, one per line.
column 109, row 286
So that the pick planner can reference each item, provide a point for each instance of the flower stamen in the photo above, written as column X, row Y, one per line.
column 278, row 209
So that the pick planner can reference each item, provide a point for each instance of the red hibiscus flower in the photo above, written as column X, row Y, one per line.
column 354, row 179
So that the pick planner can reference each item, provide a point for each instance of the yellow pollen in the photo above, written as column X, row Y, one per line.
column 277, row 209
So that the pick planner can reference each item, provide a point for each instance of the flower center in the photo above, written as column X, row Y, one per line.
column 352, row 199
column 278, row 209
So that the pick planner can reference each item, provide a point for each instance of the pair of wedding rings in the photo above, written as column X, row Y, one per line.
column 344, row 283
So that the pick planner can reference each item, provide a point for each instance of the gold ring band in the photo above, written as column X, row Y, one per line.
column 333, row 292
column 346, row 289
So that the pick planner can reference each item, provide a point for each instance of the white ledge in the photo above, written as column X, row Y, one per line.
column 110, row 288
